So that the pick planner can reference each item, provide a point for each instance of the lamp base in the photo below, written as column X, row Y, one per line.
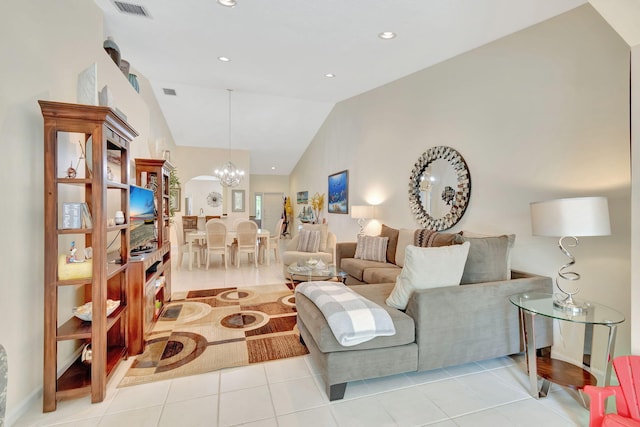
column 568, row 304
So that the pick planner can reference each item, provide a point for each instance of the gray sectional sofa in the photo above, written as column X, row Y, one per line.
column 440, row 327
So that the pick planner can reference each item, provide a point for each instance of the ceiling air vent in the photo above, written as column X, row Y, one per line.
column 132, row 9
column 171, row 92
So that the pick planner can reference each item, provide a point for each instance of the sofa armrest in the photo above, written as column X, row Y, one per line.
column 344, row 250
column 331, row 246
column 476, row 316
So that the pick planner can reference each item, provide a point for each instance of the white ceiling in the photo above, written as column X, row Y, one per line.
column 280, row 51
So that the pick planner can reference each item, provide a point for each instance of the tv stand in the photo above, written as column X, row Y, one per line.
column 149, row 289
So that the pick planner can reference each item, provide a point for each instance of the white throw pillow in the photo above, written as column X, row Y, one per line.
column 372, row 248
column 309, row 241
column 428, row 268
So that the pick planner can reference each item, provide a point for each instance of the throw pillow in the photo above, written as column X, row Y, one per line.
column 488, row 260
column 309, row 241
column 422, row 238
column 426, row 268
column 392, row 234
column 372, row 248
column 323, row 229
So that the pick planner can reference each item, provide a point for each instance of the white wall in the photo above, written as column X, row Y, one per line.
column 540, row 114
column 44, row 46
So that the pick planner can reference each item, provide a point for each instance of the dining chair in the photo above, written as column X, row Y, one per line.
column 274, row 242
column 216, row 240
column 189, row 223
column 184, row 246
column 246, row 241
column 627, row 396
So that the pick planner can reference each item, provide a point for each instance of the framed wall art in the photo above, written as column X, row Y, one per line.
column 338, row 193
column 174, row 199
column 302, row 197
column 237, row 200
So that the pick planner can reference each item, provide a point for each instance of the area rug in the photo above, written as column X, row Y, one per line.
column 206, row 330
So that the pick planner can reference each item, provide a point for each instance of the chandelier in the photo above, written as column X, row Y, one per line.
column 229, row 175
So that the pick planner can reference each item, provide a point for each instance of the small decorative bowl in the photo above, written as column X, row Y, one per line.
column 312, row 262
column 84, row 311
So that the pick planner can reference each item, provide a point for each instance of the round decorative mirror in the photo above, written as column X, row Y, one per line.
column 439, row 188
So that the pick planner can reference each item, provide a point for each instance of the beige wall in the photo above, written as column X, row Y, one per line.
column 540, row 114
column 44, row 46
column 267, row 184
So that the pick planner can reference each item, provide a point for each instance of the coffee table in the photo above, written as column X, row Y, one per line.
column 304, row 273
column 563, row 373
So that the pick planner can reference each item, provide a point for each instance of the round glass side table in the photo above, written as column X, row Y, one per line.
column 531, row 304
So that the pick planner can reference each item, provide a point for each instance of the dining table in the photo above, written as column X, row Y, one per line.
column 200, row 235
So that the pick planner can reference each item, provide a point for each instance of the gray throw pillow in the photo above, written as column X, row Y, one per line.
column 488, row 259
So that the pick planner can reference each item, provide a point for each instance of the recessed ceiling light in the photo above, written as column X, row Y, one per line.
column 387, row 35
column 223, row 59
column 330, row 75
column 273, row 168
column 228, row 3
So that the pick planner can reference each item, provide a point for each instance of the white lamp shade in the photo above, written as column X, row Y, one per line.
column 362, row 211
column 580, row 216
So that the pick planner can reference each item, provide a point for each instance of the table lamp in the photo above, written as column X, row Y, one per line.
column 569, row 219
column 362, row 213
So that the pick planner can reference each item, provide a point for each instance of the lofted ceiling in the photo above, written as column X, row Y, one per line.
column 280, row 52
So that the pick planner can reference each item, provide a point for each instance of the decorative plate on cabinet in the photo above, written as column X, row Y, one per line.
column 214, row 199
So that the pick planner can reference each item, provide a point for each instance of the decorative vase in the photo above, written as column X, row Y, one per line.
column 119, row 218
column 133, row 79
column 113, row 50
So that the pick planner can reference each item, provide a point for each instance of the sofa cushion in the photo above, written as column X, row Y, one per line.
column 392, row 234
column 318, row 327
column 355, row 267
column 381, row 275
column 488, row 259
column 428, row 268
column 373, row 248
column 309, row 241
column 423, row 238
column 324, row 233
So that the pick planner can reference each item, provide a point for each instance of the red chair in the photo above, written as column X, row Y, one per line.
column 627, row 396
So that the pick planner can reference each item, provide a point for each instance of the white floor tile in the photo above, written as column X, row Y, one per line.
column 145, row 417
column 242, row 377
column 388, row 383
column 287, row 369
column 424, row 377
column 466, row 369
column 317, row 417
column 453, row 397
column 198, row 412
column 193, row 386
column 140, row 396
column 363, row 412
column 531, row 413
column 410, row 407
column 246, row 405
column 271, row 422
column 296, row 395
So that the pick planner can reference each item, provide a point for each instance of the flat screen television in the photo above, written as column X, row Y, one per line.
column 142, row 215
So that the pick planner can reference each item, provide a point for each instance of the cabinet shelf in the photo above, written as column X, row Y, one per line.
column 75, row 328
column 106, row 133
column 76, row 381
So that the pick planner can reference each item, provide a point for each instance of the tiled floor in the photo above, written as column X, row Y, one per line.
column 290, row 393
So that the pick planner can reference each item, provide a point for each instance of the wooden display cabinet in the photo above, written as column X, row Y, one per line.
column 101, row 134
column 149, row 279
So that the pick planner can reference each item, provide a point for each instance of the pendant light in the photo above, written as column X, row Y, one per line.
column 229, row 175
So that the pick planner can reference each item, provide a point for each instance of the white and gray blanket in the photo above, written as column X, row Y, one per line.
column 353, row 319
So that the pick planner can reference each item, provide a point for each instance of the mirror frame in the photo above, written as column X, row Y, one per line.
column 463, row 191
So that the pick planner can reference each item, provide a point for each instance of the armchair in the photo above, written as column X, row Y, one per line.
column 627, row 396
column 326, row 253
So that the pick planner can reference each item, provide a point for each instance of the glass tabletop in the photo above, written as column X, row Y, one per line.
column 542, row 304
column 329, row 270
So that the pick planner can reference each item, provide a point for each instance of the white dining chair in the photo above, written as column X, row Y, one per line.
column 183, row 247
column 274, row 243
column 246, row 242
column 216, row 232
